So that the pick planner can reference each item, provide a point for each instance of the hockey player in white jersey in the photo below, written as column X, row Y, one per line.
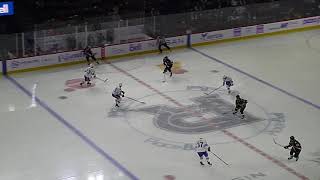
column 228, row 82
column 202, row 149
column 89, row 74
column 117, row 94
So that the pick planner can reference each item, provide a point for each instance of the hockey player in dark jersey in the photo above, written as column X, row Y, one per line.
column 295, row 148
column 168, row 65
column 240, row 105
column 89, row 54
column 162, row 42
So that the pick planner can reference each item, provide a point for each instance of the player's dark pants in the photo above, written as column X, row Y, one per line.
column 295, row 152
column 228, row 83
column 167, row 68
column 241, row 108
column 117, row 97
column 163, row 44
column 92, row 57
column 205, row 154
column 86, row 79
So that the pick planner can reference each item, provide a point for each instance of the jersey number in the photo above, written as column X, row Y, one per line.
column 200, row 144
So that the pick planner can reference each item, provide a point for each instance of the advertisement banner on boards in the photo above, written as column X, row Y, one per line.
column 212, row 36
column 260, row 29
column 116, row 50
column 47, row 60
column 274, row 27
column 177, row 41
column 135, row 47
column 310, row 21
column 248, row 31
column 70, row 56
column 31, row 62
column 237, row 32
column 122, row 49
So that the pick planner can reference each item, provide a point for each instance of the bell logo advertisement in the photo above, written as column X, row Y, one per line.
column 6, row 8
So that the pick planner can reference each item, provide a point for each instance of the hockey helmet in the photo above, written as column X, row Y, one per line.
column 292, row 137
column 91, row 65
column 237, row 96
column 120, row 85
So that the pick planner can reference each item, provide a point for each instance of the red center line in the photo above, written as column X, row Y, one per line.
column 226, row 132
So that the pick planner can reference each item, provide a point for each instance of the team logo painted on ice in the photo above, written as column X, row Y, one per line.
column 176, row 68
column 74, row 84
column 192, row 119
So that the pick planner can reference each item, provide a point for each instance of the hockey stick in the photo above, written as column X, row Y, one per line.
column 102, row 79
column 227, row 112
column 219, row 158
column 135, row 100
column 213, row 90
column 277, row 143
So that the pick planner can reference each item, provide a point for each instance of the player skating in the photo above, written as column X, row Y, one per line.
column 167, row 65
column 161, row 41
column 202, row 149
column 89, row 74
column 240, row 105
column 228, row 82
column 295, row 148
column 89, row 54
column 117, row 94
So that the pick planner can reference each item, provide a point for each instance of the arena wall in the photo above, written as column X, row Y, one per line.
column 149, row 46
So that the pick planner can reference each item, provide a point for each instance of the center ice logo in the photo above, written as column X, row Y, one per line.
column 192, row 119
column 171, row 126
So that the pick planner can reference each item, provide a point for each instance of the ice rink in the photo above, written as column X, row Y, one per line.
column 52, row 129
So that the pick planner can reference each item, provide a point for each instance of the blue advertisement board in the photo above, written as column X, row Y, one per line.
column 6, row 8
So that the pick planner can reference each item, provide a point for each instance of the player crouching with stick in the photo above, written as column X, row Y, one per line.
column 296, row 148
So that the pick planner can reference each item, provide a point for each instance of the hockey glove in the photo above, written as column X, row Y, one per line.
column 209, row 149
